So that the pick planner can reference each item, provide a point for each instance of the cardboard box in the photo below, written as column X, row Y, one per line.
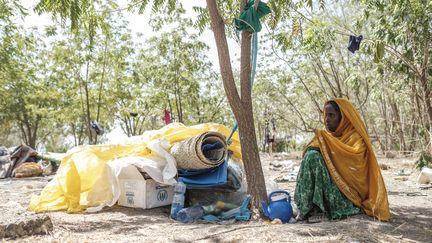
column 137, row 192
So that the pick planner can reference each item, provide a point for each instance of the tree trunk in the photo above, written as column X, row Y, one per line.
column 241, row 107
column 128, row 122
column 398, row 125
column 23, row 133
column 425, row 83
column 383, row 109
column 179, row 95
column 251, row 159
column 33, row 135
column 140, row 126
column 99, row 102
column 81, row 134
column 28, row 130
column 382, row 147
column 427, row 90
column 260, row 136
column 88, row 116
column 419, row 111
column 170, row 109
column 198, row 112
column 413, row 133
column 74, row 133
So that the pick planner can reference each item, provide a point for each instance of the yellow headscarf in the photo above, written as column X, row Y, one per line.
column 351, row 162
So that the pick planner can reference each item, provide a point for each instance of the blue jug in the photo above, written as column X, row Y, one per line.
column 279, row 206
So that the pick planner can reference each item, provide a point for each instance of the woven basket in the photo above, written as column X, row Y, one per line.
column 189, row 155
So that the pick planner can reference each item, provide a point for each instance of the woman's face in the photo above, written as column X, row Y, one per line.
column 333, row 118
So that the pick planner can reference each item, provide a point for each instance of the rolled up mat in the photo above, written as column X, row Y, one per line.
column 207, row 150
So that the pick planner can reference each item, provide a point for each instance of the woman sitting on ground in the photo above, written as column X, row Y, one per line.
column 339, row 175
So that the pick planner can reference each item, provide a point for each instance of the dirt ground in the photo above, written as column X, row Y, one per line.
column 411, row 216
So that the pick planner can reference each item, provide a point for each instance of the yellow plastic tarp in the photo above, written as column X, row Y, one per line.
column 84, row 165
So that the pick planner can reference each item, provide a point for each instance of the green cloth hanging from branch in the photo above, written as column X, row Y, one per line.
column 249, row 18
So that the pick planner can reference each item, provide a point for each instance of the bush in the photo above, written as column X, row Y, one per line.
column 424, row 160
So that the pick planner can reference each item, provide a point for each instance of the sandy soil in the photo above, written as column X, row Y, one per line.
column 411, row 217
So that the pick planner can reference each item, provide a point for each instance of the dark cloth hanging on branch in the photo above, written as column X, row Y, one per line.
column 97, row 128
column 354, row 43
column 249, row 18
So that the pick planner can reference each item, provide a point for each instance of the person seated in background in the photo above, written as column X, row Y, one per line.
column 339, row 175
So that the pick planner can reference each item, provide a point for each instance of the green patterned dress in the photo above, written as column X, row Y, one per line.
column 316, row 187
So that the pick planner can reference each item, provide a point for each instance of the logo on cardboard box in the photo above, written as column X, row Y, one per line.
column 162, row 195
column 130, row 200
column 130, row 197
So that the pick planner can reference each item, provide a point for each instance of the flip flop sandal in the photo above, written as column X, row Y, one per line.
column 317, row 219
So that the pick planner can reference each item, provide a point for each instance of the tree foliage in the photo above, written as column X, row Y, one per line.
column 60, row 81
column 55, row 81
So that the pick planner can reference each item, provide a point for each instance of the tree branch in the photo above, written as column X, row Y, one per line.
column 324, row 73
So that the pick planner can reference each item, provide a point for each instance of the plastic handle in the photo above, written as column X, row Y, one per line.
column 283, row 192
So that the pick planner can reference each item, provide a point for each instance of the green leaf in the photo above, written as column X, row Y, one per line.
column 322, row 4
column 295, row 26
column 379, row 51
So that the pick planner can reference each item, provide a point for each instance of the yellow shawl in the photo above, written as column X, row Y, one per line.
column 351, row 162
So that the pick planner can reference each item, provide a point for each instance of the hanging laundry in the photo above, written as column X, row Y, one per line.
column 167, row 117
column 97, row 128
column 249, row 17
column 354, row 43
